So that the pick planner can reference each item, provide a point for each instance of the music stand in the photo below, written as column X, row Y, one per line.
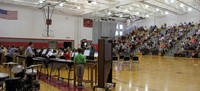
column 10, row 64
column 3, row 76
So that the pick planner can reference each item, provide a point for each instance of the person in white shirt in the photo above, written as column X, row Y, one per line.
column 30, row 54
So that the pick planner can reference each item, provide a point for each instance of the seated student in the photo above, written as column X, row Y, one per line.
column 79, row 61
column 55, row 54
column 36, row 51
column 73, row 54
column 67, row 55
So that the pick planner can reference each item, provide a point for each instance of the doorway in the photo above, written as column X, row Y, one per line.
column 68, row 44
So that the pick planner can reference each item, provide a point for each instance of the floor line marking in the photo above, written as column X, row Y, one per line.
column 134, row 85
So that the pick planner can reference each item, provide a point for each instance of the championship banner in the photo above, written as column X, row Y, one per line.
column 88, row 23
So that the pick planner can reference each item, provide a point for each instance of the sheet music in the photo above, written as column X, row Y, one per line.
column 96, row 54
column 86, row 52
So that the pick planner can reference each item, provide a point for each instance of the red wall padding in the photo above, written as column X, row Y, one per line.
column 37, row 43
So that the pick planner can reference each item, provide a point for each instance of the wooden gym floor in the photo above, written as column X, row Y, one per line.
column 153, row 73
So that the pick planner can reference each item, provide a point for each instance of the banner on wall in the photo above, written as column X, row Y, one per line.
column 8, row 15
column 88, row 23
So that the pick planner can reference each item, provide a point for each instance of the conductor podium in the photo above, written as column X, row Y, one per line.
column 104, row 64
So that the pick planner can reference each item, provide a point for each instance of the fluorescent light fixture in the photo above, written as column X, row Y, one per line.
column 181, row 5
column 61, row 4
column 109, row 13
column 189, row 9
column 146, row 6
column 157, row 9
column 78, row 7
column 137, row 13
column 172, row 1
column 166, row 13
column 147, row 15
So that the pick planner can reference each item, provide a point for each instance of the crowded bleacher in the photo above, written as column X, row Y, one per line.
column 158, row 41
column 190, row 46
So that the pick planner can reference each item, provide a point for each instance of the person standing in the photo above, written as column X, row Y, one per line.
column 9, row 56
column 79, row 61
column 30, row 54
column 4, row 53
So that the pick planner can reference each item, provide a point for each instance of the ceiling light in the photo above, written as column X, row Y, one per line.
column 189, row 9
column 147, row 15
column 157, row 9
column 109, row 13
column 41, row 1
column 61, row 4
column 171, row 1
column 166, row 1
column 146, row 6
column 126, row 10
column 181, row 5
column 78, row 7
column 137, row 13
column 166, row 13
column 121, row 15
column 94, row 2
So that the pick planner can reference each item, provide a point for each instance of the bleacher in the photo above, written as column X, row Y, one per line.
column 153, row 40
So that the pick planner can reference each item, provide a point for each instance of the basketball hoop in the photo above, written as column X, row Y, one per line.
column 47, row 18
column 48, row 33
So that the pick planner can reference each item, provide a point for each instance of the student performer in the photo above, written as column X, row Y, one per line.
column 79, row 61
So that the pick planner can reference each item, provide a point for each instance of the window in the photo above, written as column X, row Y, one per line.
column 117, row 27
column 121, row 27
column 120, row 33
column 116, row 33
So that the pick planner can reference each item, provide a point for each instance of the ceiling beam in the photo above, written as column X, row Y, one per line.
column 160, row 7
column 120, row 3
column 170, row 6
column 189, row 5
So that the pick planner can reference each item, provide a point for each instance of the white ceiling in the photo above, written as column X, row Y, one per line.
column 136, row 9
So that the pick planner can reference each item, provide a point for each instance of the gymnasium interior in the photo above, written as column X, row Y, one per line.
column 99, row 45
